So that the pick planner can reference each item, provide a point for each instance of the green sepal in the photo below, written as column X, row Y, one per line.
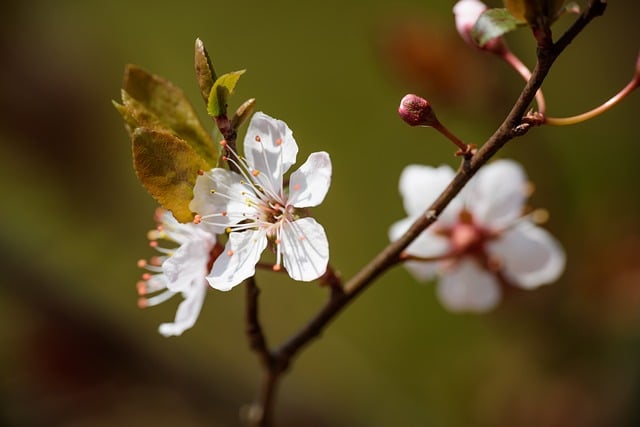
column 220, row 92
column 167, row 166
column 493, row 23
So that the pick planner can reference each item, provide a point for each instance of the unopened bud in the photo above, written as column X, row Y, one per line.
column 242, row 113
column 417, row 111
column 466, row 14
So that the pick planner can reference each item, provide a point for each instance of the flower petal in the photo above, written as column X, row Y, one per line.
column 421, row 185
column 467, row 287
column 531, row 256
column 188, row 264
column 496, row 195
column 217, row 197
column 188, row 311
column 305, row 249
column 239, row 259
column 427, row 245
column 309, row 184
column 270, row 148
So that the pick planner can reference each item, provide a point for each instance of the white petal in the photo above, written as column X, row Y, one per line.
column 188, row 311
column 270, row 148
column 309, row 184
column 531, row 256
column 187, row 265
column 467, row 287
column 427, row 244
column 305, row 249
column 239, row 259
column 496, row 195
column 218, row 191
column 421, row 185
column 467, row 13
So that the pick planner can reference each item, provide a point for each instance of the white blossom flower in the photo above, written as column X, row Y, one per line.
column 180, row 270
column 254, row 208
column 481, row 238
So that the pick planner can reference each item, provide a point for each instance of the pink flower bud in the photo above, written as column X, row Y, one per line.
column 416, row 111
column 467, row 13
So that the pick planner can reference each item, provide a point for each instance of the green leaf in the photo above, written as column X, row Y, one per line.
column 205, row 73
column 493, row 23
column 153, row 102
column 167, row 167
column 220, row 92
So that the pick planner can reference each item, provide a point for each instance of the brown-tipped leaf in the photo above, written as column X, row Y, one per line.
column 167, row 167
column 153, row 102
column 205, row 73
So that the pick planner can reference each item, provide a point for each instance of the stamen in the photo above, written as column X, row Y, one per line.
column 146, row 276
column 141, row 287
column 255, row 172
column 142, row 263
column 229, row 252
column 277, row 267
column 279, row 141
column 540, row 216
column 258, row 138
column 200, row 172
column 224, row 143
column 197, row 219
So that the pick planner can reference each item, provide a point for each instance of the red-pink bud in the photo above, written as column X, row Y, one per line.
column 417, row 111
column 467, row 13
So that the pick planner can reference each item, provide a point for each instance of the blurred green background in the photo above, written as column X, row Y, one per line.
column 76, row 350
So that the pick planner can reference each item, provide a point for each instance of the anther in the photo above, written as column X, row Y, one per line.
column 142, row 263
column 153, row 244
column 146, row 276
column 229, row 252
column 258, row 138
column 212, row 191
column 296, row 187
column 200, row 172
column 279, row 141
column 255, row 172
column 197, row 219
column 141, row 287
column 227, row 230
column 223, row 143
column 142, row 303
column 277, row 267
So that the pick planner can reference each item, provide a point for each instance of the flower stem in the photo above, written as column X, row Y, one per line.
column 630, row 87
column 522, row 69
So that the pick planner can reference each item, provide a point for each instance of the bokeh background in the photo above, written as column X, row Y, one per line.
column 76, row 351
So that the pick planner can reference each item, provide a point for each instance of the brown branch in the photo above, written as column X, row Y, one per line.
column 513, row 126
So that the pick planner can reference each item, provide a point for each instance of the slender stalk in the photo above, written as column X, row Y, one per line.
column 553, row 121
